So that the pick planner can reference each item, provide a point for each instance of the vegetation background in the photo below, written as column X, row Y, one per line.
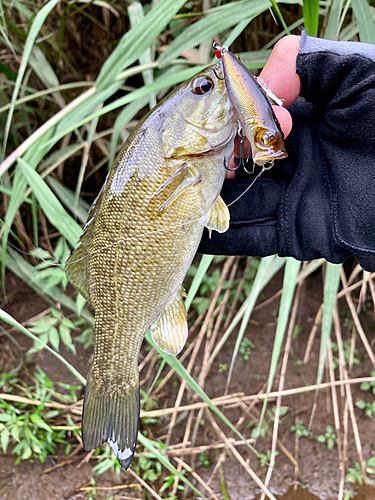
column 75, row 78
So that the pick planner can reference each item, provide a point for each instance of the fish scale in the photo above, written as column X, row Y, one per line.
column 141, row 237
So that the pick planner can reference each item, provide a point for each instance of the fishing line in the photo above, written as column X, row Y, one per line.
column 248, row 187
column 158, row 231
column 29, row 254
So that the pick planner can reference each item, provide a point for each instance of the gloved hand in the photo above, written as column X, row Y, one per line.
column 320, row 201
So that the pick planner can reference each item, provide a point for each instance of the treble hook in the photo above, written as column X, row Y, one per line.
column 230, row 169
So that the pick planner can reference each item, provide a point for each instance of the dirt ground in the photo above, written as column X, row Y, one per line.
column 320, row 474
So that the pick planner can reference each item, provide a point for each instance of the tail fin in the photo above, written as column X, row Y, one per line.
column 112, row 418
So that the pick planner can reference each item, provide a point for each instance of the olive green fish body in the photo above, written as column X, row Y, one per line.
column 142, row 234
column 253, row 109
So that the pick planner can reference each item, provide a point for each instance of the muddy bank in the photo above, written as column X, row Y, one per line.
column 319, row 475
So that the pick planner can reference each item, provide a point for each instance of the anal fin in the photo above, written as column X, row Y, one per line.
column 170, row 331
column 218, row 217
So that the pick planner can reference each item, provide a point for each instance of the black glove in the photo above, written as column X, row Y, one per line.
column 320, row 201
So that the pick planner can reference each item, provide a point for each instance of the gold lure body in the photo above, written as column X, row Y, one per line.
column 253, row 110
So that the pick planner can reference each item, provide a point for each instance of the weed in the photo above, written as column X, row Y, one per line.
column 368, row 408
column 223, row 368
column 355, row 474
column 51, row 269
column 26, row 425
column 349, row 494
column 52, row 329
column 265, row 459
column 168, row 482
column 246, row 348
column 329, row 438
column 368, row 386
column 107, row 461
column 300, row 429
column 346, row 348
column 92, row 491
column 205, row 459
column 297, row 330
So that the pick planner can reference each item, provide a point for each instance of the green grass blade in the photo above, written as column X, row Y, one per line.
column 135, row 42
column 366, row 25
column 333, row 24
column 164, row 461
column 256, row 59
column 274, row 264
column 126, row 114
column 27, row 273
column 267, row 269
column 212, row 24
column 292, row 268
column 181, row 371
column 34, row 155
column 311, row 16
column 201, row 272
column 42, row 132
column 167, row 81
column 50, row 205
column 136, row 15
column 66, row 196
column 331, row 286
column 14, row 323
column 34, row 30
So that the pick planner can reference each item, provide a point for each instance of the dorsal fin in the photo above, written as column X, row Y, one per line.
column 76, row 265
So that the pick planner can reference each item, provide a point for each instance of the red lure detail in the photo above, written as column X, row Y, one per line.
column 218, row 53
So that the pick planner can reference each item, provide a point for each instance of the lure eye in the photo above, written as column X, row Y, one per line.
column 263, row 139
column 202, row 85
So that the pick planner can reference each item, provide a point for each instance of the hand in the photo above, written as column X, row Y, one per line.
column 279, row 75
column 320, row 200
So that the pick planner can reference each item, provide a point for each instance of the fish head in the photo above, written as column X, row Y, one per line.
column 201, row 119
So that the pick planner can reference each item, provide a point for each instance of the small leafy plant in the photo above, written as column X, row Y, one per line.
column 246, row 349
column 368, row 386
column 329, row 438
column 223, row 368
column 368, row 408
column 52, row 329
column 266, row 458
column 346, row 348
column 355, row 474
column 205, row 460
column 300, row 430
column 26, row 425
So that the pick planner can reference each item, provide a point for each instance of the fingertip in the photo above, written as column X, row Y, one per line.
column 279, row 73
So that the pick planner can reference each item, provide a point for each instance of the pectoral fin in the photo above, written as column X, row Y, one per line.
column 218, row 217
column 172, row 189
column 170, row 332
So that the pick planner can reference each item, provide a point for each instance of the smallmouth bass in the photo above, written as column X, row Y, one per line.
column 253, row 109
column 141, row 236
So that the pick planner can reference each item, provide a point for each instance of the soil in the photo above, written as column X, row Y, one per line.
column 320, row 474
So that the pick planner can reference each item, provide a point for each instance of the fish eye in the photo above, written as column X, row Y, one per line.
column 202, row 85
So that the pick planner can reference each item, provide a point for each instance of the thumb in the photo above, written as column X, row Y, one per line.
column 279, row 73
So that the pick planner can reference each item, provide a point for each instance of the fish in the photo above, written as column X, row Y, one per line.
column 253, row 109
column 142, row 233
